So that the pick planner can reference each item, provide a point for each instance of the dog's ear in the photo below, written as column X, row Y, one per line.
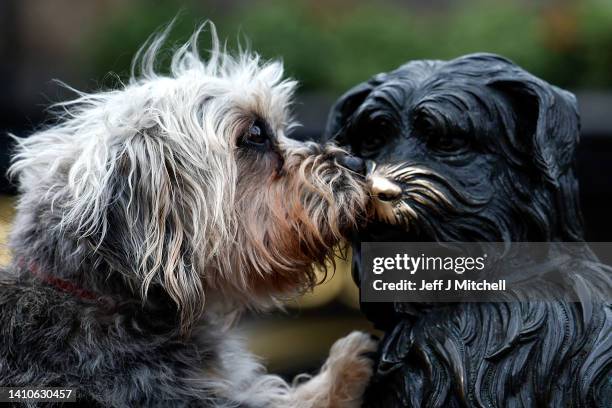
column 153, row 223
column 344, row 108
column 549, row 117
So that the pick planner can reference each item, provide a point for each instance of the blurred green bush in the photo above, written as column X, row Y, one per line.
column 331, row 45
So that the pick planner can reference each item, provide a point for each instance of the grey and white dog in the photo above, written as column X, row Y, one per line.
column 150, row 216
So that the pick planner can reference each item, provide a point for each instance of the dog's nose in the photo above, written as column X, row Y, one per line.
column 383, row 188
column 352, row 163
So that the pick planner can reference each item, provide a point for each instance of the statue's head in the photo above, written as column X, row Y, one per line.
column 472, row 149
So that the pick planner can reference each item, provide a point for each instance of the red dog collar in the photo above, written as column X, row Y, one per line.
column 60, row 284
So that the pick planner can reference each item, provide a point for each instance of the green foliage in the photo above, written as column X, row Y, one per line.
column 332, row 45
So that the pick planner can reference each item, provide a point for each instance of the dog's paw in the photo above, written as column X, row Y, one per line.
column 350, row 365
column 343, row 378
column 356, row 347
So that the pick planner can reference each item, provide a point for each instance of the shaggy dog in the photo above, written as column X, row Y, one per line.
column 478, row 150
column 150, row 216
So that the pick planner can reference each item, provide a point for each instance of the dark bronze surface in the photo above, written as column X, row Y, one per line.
column 494, row 152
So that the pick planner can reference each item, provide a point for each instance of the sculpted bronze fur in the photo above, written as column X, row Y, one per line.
column 477, row 149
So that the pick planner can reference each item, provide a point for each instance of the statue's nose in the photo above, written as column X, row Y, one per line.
column 383, row 188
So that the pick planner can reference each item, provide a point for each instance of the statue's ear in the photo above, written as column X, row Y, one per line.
column 547, row 125
column 344, row 108
column 548, row 116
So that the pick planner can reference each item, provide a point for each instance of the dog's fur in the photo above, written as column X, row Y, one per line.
column 150, row 216
column 482, row 151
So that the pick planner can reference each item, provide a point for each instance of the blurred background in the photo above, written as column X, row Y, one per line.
column 329, row 46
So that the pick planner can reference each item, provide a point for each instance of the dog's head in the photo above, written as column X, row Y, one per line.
column 472, row 149
column 189, row 181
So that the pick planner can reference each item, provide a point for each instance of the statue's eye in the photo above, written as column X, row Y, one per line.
column 424, row 125
column 439, row 137
column 256, row 135
column 371, row 142
column 374, row 135
column 446, row 144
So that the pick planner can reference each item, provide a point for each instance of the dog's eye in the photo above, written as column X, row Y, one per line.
column 255, row 136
